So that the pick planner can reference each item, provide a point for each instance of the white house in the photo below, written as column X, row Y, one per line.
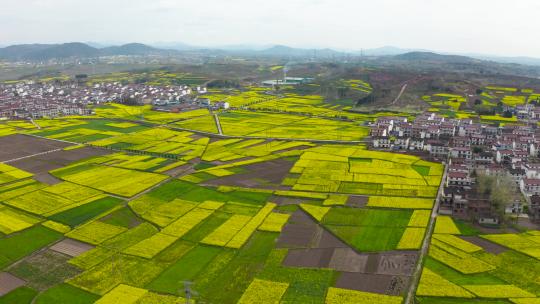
column 530, row 186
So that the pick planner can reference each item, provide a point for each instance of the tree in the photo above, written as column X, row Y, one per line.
column 368, row 99
column 484, row 184
column 342, row 92
column 507, row 114
column 484, row 110
column 499, row 189
column 223, row 83
column 502, row 193
column 81, row 78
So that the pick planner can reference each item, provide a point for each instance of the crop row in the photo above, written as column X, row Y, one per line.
column 525, row 243
column 460, row 261
column 262, row 291
column 113, row 180
column 434, row 285
column 346, row 296
column 274, row 222
column 400, row 202
column 412, row 238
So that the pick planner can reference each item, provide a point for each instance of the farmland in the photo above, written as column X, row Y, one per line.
column 463, row 269
column 488, row 104
column 166, row 205
column 288, row 205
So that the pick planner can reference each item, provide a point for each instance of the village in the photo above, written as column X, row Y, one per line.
column 32, row 100
column 472, row 151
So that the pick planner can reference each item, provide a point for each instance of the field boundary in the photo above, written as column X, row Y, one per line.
column 30, row 156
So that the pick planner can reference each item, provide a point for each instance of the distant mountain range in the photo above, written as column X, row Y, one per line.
column 38, row 52
column 286, row 51
column 41, row 52
column 516, row 60
column 434, row 57
column 75, row 49
column 387, row 51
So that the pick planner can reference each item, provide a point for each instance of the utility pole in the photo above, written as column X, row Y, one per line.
column 188, row 291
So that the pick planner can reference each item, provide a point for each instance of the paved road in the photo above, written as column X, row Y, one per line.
column 425, row 246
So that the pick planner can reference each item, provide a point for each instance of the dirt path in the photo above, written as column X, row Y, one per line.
column 53, row 139
column 41, row 153
column 30, row 156
column 218, row 124
column 403, row 88
column 425, row 246
column 35, row 124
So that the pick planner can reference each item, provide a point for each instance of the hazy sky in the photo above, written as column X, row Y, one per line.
column 499, row 27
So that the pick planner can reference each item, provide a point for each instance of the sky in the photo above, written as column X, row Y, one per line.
column 494, row 27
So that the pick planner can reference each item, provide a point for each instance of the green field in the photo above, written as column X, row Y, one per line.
column 24, row 243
